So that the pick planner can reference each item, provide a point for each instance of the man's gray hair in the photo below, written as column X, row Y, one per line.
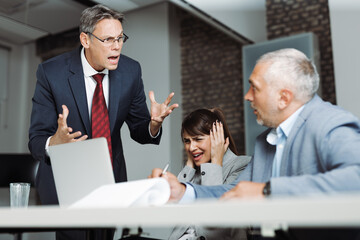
column 290, row 68
column 91, row 16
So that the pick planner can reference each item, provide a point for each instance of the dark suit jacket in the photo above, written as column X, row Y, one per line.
column 60, row 80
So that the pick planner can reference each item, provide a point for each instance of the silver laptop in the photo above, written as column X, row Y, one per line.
column 80, row 168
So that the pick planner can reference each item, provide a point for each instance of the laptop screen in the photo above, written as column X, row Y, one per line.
column 79, row 168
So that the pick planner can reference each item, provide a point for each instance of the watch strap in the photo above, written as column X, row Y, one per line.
column 267, row 189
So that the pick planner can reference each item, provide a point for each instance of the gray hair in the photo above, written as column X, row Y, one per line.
column 91, row 16
column 291, row 69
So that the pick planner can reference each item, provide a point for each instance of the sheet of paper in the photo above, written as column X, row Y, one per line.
column 147, row 192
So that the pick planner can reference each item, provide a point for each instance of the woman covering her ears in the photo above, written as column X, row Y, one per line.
column 212, row 159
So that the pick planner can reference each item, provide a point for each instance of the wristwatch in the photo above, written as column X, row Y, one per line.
column 267, row 189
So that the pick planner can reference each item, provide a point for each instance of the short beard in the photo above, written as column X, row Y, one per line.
column 267, row 122
column 260, row 122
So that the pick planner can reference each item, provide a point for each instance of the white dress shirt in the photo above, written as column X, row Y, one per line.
column 278, row 137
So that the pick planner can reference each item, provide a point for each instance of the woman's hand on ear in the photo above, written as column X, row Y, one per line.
column 219, row 144
column 189, row 161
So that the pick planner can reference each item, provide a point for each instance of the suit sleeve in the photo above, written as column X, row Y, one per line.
column 138, row 118
column 219, row 190
column 202, row 191
column 43, row 117
column 211, row 174
column 187, row 174
column 338, row 152
column 238, row 168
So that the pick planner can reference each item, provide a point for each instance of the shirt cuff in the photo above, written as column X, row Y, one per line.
column 156, row 134
column 47, row 146
column 189, row 195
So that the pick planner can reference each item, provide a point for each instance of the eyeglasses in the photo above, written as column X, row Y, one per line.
column 110, row 40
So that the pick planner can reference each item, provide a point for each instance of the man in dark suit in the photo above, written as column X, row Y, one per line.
column 62, row 102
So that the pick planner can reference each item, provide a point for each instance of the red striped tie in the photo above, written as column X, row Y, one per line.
column 99, row 114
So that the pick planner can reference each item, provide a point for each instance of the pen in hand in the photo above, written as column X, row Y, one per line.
column 165, row 169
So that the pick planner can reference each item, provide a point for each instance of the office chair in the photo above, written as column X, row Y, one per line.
column 18, row 168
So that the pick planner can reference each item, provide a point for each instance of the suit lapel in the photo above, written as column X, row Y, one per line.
column 269, row 159
column 227, row 159
column 77, row 85
column 303, row 116
column 289, row 142
column 115, row 82
column 264, row 156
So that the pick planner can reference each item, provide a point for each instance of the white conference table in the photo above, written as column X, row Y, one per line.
column 268, row 214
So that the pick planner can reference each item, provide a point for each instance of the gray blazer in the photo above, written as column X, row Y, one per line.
column 321, row 155
column 213, row 174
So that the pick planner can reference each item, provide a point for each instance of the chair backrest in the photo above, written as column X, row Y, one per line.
column 17, row 168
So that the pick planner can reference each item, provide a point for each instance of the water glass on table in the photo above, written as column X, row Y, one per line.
column 19, row 194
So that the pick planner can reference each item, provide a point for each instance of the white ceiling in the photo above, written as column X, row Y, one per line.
column 225, row 5
column 22, row 21
column 26, row 20
column 127, row 5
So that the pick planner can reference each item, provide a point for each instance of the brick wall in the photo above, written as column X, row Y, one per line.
column 53, row 45
column 211, row 68
column 287, row 17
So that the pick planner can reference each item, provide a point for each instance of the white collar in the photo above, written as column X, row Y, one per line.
column 284, row 128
